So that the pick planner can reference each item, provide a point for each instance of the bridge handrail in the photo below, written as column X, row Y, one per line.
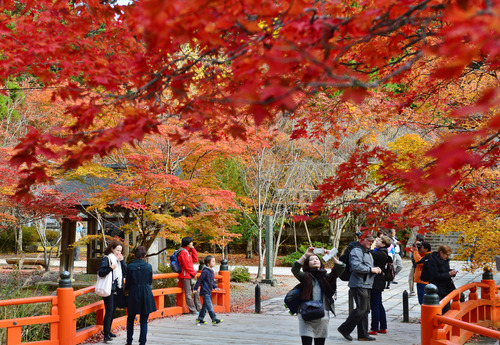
column 463, row 319
column 63, row 312
column 487, row 332
column 458, row 291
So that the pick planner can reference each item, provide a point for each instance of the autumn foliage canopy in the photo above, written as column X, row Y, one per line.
column 219, row 67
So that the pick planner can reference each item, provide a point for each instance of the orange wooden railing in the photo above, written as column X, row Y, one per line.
column 63, row 313
column 465, row 318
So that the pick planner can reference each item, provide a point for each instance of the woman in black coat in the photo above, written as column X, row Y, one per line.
column 380, row 257
column 112, row 263
column 140, row 296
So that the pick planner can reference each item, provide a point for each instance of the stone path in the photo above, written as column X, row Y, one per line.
column 274, row 325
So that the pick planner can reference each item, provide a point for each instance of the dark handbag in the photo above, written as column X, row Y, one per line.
column 312, row 310
column 114, row 285
column 120, row 298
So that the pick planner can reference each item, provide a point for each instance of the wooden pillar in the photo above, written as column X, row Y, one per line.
column 66, row 262
column 94, row 247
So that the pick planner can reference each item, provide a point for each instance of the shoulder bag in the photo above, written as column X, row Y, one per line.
column 312, row 310
column 103, row 285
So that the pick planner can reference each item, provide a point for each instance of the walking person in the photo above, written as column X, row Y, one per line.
column 411, row 281
column 317, row 285
column 206, row 283
column 380, row 258
column 140, row 296
column 363, row 274
column 420, row 253
column 438, row 271
column 78, row 236
column 112, row 263
column 396, row 255
column 187, row 256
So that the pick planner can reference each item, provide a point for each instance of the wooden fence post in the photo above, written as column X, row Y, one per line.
column 66, row 309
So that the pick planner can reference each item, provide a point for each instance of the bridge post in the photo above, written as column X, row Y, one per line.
column 429, row 309
column 66, row 310
column 490, row 294
column 224, row 272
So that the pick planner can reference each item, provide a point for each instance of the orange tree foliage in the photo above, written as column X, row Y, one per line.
column 165, row 189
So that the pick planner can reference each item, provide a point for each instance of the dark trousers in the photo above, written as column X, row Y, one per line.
column 379, row 320
column 144, row 328
column 109, row 307
column 420, row 292
column 358, row 316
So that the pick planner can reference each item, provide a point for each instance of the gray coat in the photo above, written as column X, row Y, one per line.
column 361, row 263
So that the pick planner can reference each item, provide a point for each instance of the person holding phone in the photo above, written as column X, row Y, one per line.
column 317, row 285
column 112, row 263
column 440, row 274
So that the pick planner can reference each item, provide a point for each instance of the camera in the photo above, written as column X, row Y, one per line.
column 319, row 251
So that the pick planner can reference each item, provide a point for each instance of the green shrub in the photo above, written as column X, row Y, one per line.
column 8, row 241
column 240, row 274
column 291, row 258
column 52, row 235
column 170, row 300
column 11, row 289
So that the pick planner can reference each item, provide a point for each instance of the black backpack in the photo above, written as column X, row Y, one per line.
column 345, row 259
column 426, row 270
column 292, row 299
column 389, row 271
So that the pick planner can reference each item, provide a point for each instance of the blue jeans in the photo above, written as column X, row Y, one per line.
column 378, row 311
column 420, row 292
column 144, row 328
column 207, row 306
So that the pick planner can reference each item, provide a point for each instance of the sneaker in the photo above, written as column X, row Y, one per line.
column 216, row 321
column 412, row 294
column 383, row 331
column 201, row 322
column 373, row 332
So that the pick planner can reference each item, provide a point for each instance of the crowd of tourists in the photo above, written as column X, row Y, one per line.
column 130, row 287
column 369, row 264
column 365, row 263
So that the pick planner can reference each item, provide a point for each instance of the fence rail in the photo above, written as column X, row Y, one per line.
column 64, row 314
column 476, row 315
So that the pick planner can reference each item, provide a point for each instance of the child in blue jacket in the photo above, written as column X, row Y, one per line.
column 205, row 284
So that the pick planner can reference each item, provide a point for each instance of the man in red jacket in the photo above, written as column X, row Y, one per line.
column 187, row 256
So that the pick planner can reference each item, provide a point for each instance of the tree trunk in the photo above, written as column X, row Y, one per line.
column 261, row 256
column 279, row 239
column 307, row 232
column 19, row 239
column 249, row 249
column 295, row 237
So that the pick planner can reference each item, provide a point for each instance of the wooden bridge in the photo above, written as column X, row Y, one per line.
column 473, row 315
